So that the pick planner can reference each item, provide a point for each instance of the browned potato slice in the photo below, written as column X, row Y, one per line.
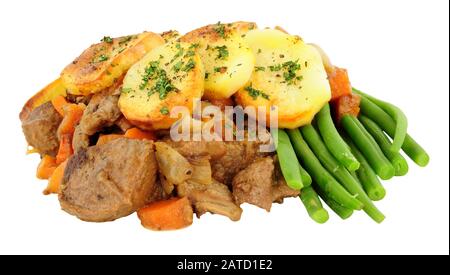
column 104, row 63
column 227, row 58
column 219, row 31
column 289, row 75
column 169, row 76
column 170, row 36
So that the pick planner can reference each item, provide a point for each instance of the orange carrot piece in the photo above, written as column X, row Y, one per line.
column 339, row 83
column 65, row 148
column 136, row 133
column 59, row 103
column 55, row 180
column 46, row 167
column 72, row 115
column 107, row 138
column 347, row 105
column 172, row 214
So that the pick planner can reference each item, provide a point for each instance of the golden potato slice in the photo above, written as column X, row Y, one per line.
column 168, row 76
column 102, row 64
column 170, row 36
column 227, row 58
column 50, row 91
column 288, row 74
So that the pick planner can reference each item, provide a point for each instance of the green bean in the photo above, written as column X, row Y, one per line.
column 368, row 147
column 343, row 212
column 320, row 175
column 366, row 175
column 380, row 117
column 397, row 160
column 398, row 116
column 352, row 185
column 338, row 148
column 290, row 167
column 313, row 205
column 306, row 178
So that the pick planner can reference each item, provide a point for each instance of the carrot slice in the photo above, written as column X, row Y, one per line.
column 46, row 167
column 107, row 138
column 339, row 83
column 72, row 115
column 55, row 180
column 65, row 148
column 59, row 102
column 175, row 213
column 347, row 105
column 136, row 133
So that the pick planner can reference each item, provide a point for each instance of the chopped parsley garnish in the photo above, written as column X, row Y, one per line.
column 162, row 85
column 164, row 110
column 189, row 65
column 290, row 74
column 102, row 58
column 177, row 67
column 127, row 39
column 290, row 69
column 258, row 68
column 222, row 52
column 254, row 93
column 107, row 39
column 150, row 73
column 206, row 75
column 259, row 51
column 220, row 29
column 178, row 54
column 125, row 90
column 194, row 46
column 191, row 50
column 221, row 70
column 275, row 68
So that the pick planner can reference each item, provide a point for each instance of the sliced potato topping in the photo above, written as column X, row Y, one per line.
column 227, row 58
column 102, row 64
column 168, row 76
column 170, row 36
column 288, row 74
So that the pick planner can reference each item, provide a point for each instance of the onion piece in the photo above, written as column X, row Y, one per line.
column 175, row 168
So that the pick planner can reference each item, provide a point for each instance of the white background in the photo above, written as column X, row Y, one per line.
column 396, row 50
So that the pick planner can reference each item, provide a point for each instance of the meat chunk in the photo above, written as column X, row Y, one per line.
column 254, row 184
column 239, row 155
column 123, row 124
column 227, row 157
column 347, row 104
column 215, row 198
column 110, row 181
column 280, row 189
column 260, row 184
column 193, row 149
column 40, row 128
column 102, row 111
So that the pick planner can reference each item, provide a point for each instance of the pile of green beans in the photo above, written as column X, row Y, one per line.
column 342, row 163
